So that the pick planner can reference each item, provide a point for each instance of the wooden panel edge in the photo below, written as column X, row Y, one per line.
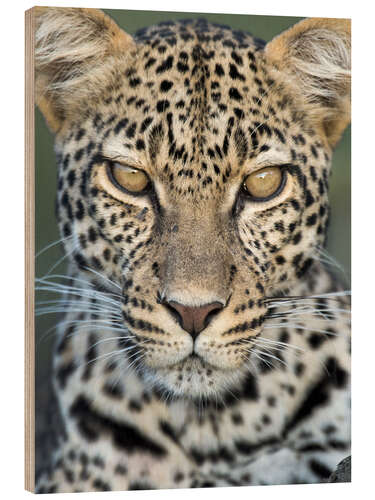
column 29, row 253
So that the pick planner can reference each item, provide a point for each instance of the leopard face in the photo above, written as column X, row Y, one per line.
column 156, row 195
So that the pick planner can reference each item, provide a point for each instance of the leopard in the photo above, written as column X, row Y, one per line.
column 204, row 341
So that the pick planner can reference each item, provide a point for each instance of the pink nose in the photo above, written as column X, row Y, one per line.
column 194, row 319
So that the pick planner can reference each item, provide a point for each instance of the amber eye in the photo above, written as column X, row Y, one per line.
column 128, row 178
column 265, row 183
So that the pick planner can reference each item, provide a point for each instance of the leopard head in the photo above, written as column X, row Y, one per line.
column 193, row 174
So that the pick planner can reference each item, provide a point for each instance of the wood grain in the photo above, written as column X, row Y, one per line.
column 29, row 254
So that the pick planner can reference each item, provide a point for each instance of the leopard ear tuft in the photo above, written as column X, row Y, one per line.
column 71, row 44
column 316, row 55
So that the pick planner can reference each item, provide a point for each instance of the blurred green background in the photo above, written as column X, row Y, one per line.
column 265, row 27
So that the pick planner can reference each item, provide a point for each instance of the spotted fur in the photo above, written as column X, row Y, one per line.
column 261, row 395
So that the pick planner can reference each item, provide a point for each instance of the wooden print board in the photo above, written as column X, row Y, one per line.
column 205, row 338
column 29, row 254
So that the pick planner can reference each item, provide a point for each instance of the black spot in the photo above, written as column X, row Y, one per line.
column 280, row 135
column 92, row 235
column 161, row 106
column 314, row 151
column 146, row 122
column 239, row 113
column 121, row 470
column 338, row 445
column 265, row 366
column 241, row 145
column 71, row 178
column 234, row 94
column 297, row 259
column 165, row 65
column 320, row 393
column 101, row 485
column 280, row 260
column 299, row 369
column 84, row 459
column 134, row 82
column 96, row 264
column 98, row 462
column 266, row 420
column 329, row 429
column 284, row 337
column 90, row 357
column 182, row 68
column 247, row 448
column 297, row 238
column 178, row 477
column 130, row 132
column 78, row 155
column 271, row 401
column 314, row 177
column 69, row 475
column 124, row 436
column 64, row 372
column 234, row 74
column 316, row 340
column 80, row 212
column 304, row 268
column 237, row 419
column 167, row 429
column 311, row 220
column 133, row 404
column 139, row 485
column 121, row 125
column 197, row 456
column 319, row 469
column 150, row 62
column 338, row 375
column 113, row 390
column 309, row 198
column 295, row 205
column 81, row 132
column 166, row 85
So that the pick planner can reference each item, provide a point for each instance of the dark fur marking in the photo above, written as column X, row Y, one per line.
column 124, row 436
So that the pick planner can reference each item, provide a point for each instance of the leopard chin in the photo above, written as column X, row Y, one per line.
column 194, row 378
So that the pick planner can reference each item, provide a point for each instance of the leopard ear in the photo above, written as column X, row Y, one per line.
column 315, row 55
column 73, row 52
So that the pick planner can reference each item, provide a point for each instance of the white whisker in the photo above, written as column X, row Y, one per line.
column 51, row 245
column 300, row 327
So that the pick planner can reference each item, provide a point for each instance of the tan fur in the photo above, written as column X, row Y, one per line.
column 147, row 402
column 70, row 46
column 316, row 54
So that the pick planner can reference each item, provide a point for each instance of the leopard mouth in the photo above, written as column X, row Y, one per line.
column 193, row 363
column 193, row 378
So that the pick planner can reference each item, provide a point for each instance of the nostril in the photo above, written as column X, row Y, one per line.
column 193, row 319
column 174, row 312
column 212, row 314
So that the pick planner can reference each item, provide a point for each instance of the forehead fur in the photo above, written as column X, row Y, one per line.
column 195, row 102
